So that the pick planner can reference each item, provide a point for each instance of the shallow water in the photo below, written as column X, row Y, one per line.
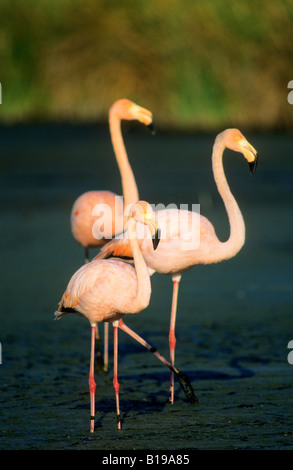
column 234, row 318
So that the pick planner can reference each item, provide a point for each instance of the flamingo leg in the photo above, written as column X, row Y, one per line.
column 92, row 383
column 86, row 254
column 103, row 363
column 140, row 340
column 100, row 360
column 183, row 379
column 106, row 342
column 172, row 338
column 115, row 378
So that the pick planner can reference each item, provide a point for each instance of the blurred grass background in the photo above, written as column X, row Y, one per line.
column 197, row 65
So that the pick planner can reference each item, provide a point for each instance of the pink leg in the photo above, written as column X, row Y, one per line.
column 115, row 378
column 103, row 362
column 100, row 360
column 172, row 339
column 140, row 340
column 86, row 255
column 106, row 342
column 92, row 383
column 183, row 379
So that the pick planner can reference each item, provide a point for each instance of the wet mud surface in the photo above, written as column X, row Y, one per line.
column 234, row 319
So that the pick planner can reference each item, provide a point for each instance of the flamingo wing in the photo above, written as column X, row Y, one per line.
column 116, row 248
column 100, row 290
column 80, row 283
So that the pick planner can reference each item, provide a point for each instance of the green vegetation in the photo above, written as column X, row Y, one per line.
column 195, row 64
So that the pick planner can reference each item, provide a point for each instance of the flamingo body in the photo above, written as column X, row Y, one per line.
column 182, row 247
column 86, row 225
column 105, row 290
column 101, row 291
column 83, row 218
column 187, row 238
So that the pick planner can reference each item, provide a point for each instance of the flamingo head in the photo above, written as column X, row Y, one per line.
column 130, row 111
column 142, row 212
column 235, row 140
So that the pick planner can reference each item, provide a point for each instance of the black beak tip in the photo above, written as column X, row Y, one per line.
column 152, row 127
column 156, row 239
column 253, row 165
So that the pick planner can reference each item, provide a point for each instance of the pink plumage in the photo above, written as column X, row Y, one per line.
column 105, row 290
column 84, row 225
column 97, row 216
column 181, row 247
column 83, row 218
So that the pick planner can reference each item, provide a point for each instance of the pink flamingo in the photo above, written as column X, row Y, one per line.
column 188, row 239
column 105, row 290
column 82, row 217
column 90, row 206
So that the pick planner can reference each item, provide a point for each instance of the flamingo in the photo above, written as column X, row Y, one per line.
column 87, row 209
column 105, row 290
column 188, row 238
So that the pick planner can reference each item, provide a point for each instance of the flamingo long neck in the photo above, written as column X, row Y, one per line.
column 237, row 227
column 130, row 191
column 143, row 278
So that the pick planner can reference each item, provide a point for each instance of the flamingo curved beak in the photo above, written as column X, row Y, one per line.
column 156, row 238
column 250, row 154
column 253, row 164
column 152, row 127
column 154, row 229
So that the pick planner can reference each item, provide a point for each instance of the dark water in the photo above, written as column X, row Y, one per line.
column 234, row 318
